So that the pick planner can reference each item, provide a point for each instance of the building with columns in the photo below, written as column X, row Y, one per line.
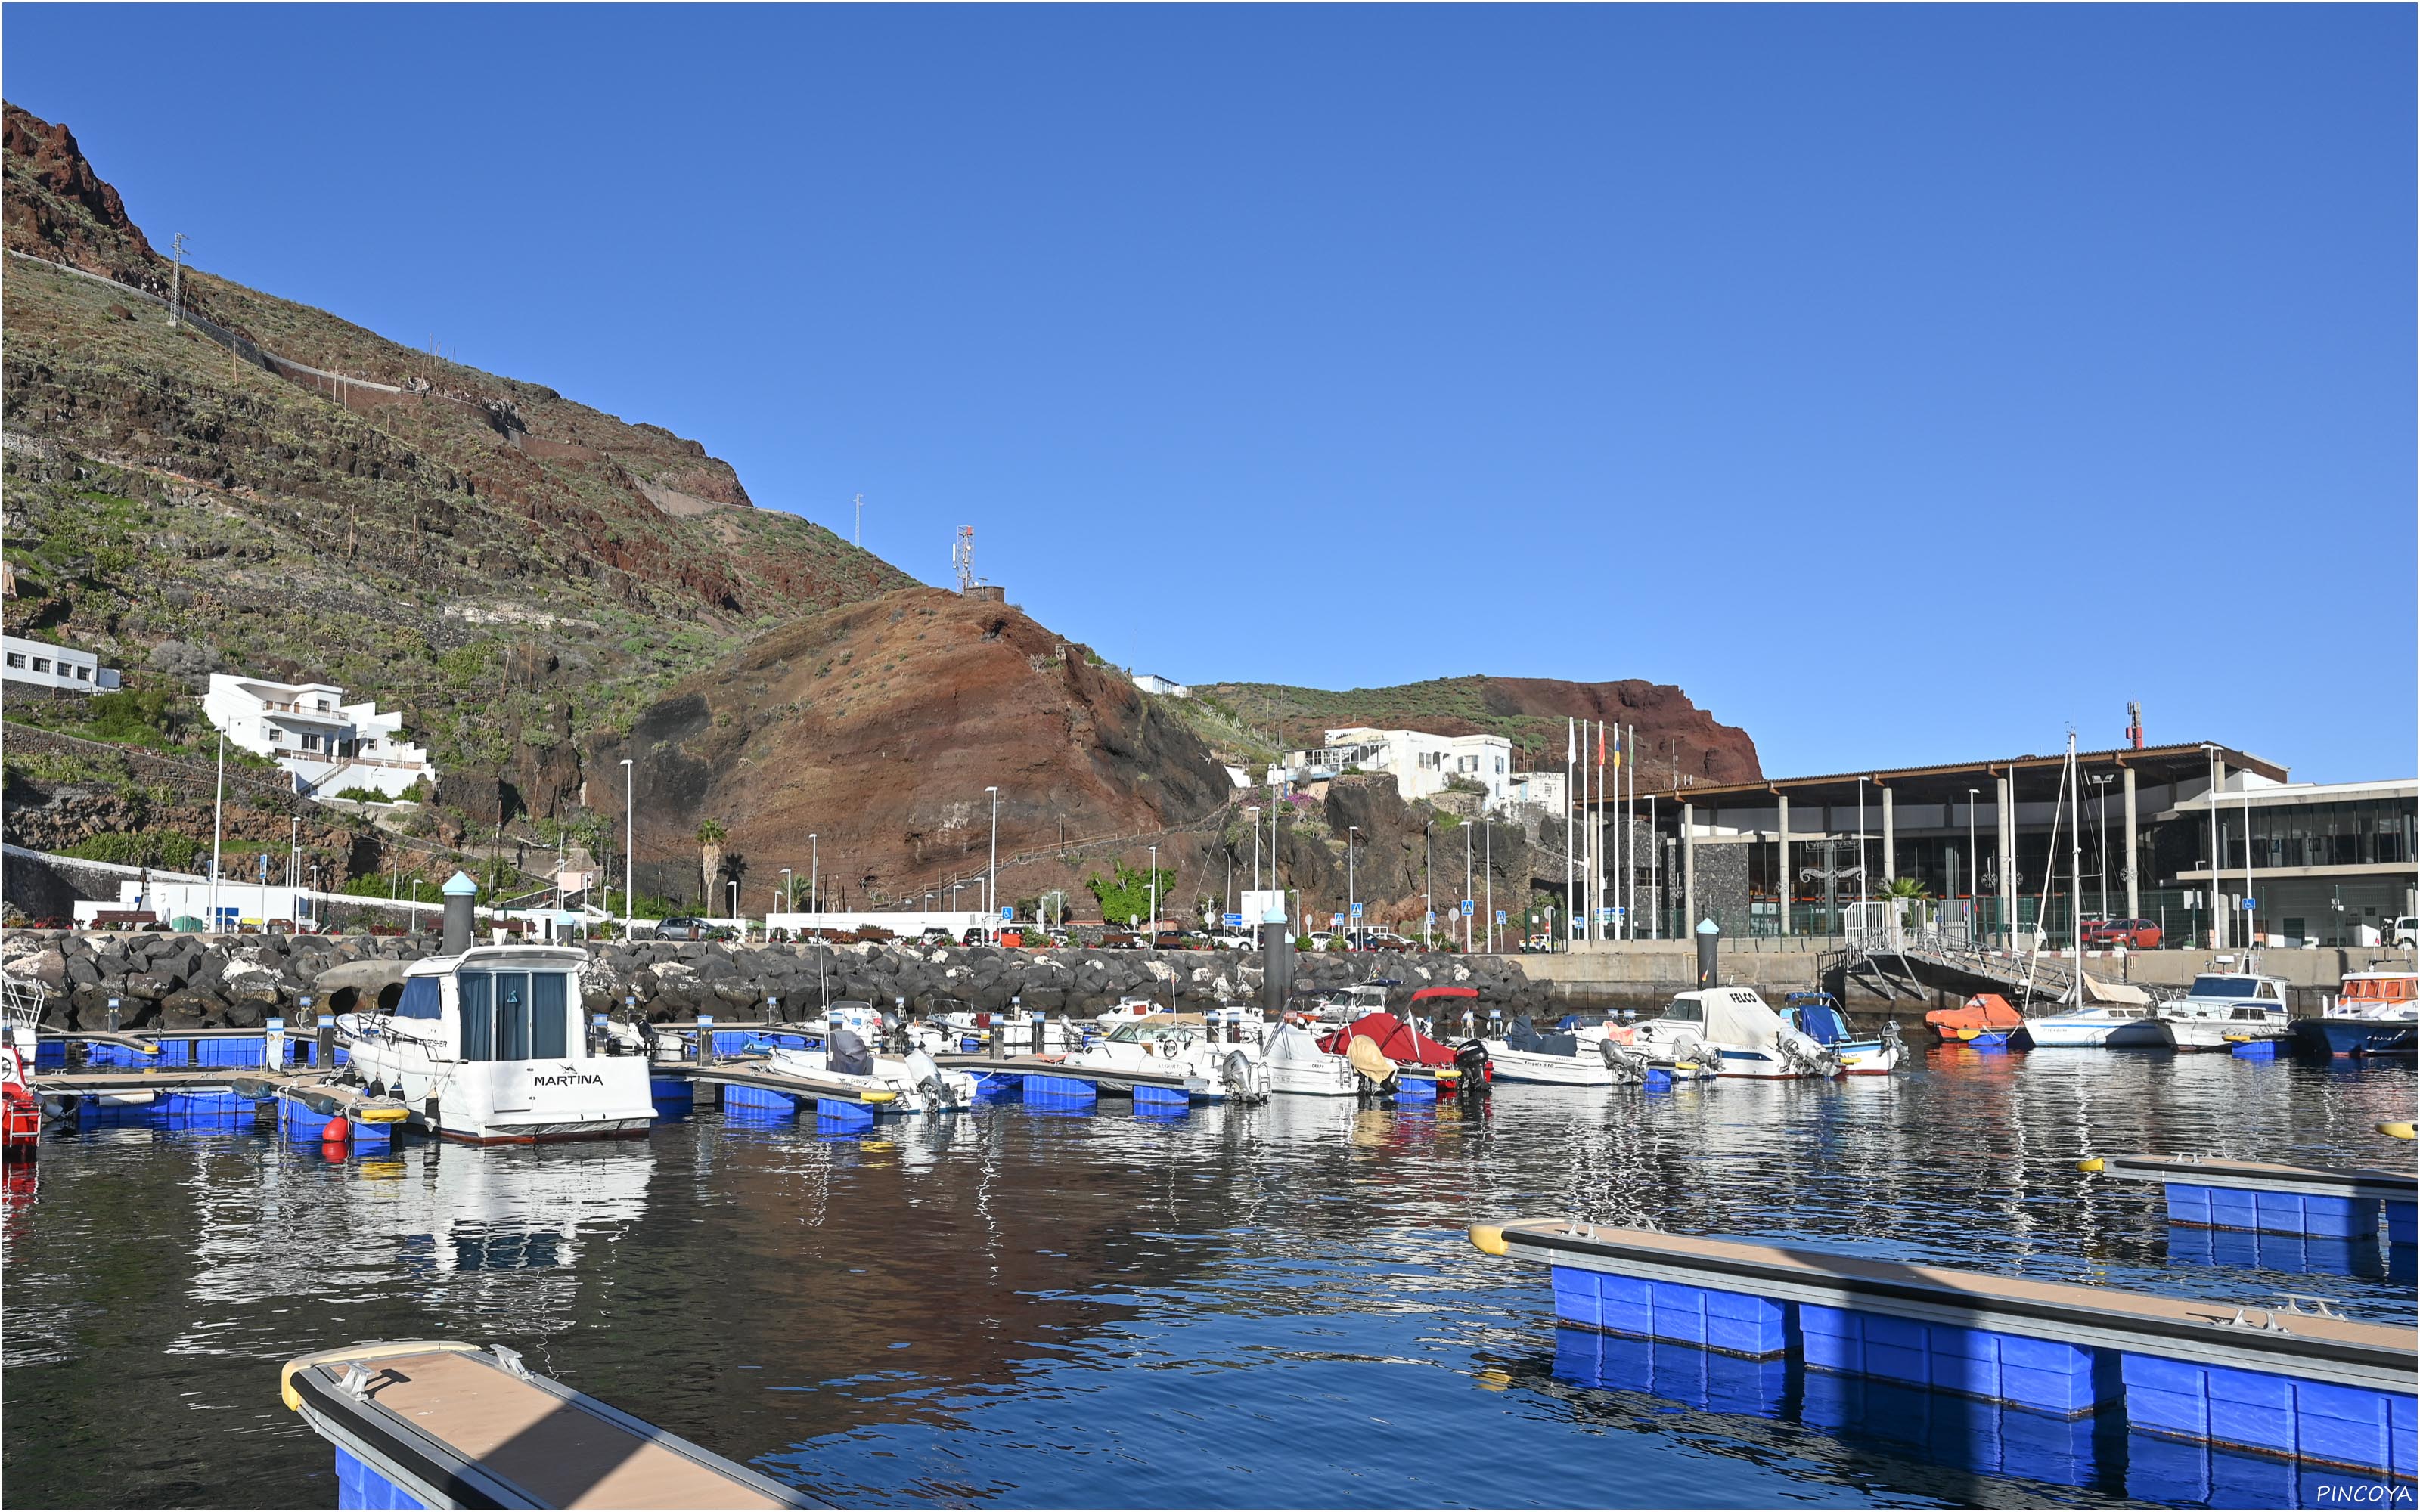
column 1792, row 855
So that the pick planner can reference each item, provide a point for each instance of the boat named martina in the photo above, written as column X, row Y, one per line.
column 485, row 1045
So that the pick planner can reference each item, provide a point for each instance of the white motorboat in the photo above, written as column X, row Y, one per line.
column 1297, row 1065
column 1179, row 1045
column 2101, row 1026
column 914, row 1081
column 2222, row 1010
column 1819, row 1015
column 486, row 1047
column 1353, row 1004
column 1558, row 1060
column 1732, row 1028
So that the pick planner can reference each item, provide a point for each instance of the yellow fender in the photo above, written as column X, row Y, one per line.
column 2396, row 1131
column 2093, row 1166
column 382, row 1115
column 1487, row 1238
column 877, row 1097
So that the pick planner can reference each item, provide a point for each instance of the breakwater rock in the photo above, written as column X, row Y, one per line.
column 171, row 981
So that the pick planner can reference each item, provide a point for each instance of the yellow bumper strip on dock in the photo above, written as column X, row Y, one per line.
column 386, row 1349
column 1488, row 1238
column 2089, row 1167
column 2396, row 1131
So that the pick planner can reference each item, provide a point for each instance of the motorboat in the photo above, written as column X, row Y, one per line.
column 1297, row 1066
column 486, row 1047
column 1985, row 1021
column 2376, row 1012
column 2222, row 1010
column 849, row 1059
column 1412, row 1056
column 1556, row 1058
column 1819, row 1017
column 1353, row 1003
column 1737, row 1032
column 1213, row 1069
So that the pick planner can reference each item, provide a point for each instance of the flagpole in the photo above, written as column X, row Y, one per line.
column 1571, row 831
column 1590, row 838
column 1629, row 817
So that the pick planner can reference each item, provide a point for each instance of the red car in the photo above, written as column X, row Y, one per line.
column 2133, row 934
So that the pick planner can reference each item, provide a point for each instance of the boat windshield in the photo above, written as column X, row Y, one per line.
column 1141, row 1032
column 1684, row 1011
column 2225, row 987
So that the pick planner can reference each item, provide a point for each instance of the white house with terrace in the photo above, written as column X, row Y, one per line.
column 308, row 728
column 1423, row 764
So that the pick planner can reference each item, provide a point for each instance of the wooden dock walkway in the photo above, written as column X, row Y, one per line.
column 451, row 1425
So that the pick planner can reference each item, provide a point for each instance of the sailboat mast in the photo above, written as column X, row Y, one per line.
column 2075, row 853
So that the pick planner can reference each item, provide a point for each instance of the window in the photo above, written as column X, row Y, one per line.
column 512, row 1015
column 84, row 674
column 478, row 1016
column 420, row 999
column 550, row 1018
column 41, row 664
column 16, row 658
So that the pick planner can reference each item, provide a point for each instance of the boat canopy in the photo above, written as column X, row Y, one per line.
column 1726, row 1016
column 1981, row 1012
column 2116, row 992
column 1522, row 1035
column 1396, row 1040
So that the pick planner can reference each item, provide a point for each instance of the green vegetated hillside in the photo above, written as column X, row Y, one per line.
column 518, row 572
column 1677, row 740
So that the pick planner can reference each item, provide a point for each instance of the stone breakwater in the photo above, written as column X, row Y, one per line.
column 181, row 982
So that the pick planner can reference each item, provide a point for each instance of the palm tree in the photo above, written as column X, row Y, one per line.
column 710, row 836
column 1908, row 890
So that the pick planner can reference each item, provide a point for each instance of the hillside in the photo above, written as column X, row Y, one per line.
column 519, row 573
column 1677, row 740
column 877, row 727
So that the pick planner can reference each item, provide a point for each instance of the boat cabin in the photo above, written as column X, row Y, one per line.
column 500, row 1002
column 2225, row 987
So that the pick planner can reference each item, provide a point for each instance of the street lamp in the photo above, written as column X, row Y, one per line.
column 991, row 872
column 788, row 901
column 1254, row 809
column 630, row 848
column 814, row 875
column 1974, row 860
column 1155, row 896
column 1352, row 893
column 1861, row 846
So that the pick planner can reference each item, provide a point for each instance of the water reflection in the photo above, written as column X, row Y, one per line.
column 1047, row 1305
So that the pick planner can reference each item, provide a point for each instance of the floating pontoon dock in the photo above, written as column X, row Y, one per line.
column 1041, row 1076
column 2311, row 1201
column 446, row 1424
column 2272, row 1376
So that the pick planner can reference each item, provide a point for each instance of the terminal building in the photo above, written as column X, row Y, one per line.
column 1995, row 842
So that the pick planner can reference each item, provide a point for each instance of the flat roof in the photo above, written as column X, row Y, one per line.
column 1948, row 782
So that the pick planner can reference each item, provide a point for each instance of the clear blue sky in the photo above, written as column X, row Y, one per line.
column 1904, row 383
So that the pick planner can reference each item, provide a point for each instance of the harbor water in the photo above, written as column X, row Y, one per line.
column 1248, row 1306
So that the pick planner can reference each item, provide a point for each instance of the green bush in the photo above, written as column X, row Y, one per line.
column 363, row 795
column 148, row 847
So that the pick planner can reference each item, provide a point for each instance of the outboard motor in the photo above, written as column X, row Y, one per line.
column 927, row 1074
column 1478, row 1071
column 1247, row 1080
column 1807, row 1054
column 1628, row 1063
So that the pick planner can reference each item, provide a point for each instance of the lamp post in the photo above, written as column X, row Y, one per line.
column 1254, row 811
column 1155, row 896
column 788, row 902
column 815, row 875
column 1352, row 886
column 218, row 814
column 1428, row 883
column 630, row 849
column 991, row 872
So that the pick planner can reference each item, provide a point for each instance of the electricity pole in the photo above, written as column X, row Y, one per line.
column 176, row 289
column 857, row 536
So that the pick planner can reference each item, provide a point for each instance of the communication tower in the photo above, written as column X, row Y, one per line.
column 962, row 559
column 2134, row 724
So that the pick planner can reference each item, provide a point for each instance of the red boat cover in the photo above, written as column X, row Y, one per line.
column 1397, row 1040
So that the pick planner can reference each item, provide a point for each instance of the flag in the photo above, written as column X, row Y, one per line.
column 1616, row 748
column 1600, row 743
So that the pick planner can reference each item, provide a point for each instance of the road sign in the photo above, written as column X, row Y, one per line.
column 1499, row 915
column 1235, row 921
column 1338, row 921
column 1008, row 911
column 1357, row 910
column 2247, row 905
column 1468, row 909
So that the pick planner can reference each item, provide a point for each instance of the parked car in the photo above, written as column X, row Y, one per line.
column 1386, row 939
column 2133, row 934
column 1231, row 941
column 2404, row 930
column 683, row 929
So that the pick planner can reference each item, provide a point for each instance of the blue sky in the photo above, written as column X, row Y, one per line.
column 1905, row 383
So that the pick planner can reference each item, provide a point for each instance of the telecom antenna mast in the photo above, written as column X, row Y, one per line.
column 2134, row 724
column 962, row 559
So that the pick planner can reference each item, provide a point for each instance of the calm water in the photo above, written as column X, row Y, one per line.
column 1264, row 1307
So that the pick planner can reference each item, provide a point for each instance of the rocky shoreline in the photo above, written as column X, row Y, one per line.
column 185, row 981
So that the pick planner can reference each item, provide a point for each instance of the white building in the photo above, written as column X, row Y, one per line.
column 1423, row 764
column 1153, row 683
column 44, row 665
column 308, row 729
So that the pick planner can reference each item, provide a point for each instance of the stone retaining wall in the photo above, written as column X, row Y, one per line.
column 209, row 981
